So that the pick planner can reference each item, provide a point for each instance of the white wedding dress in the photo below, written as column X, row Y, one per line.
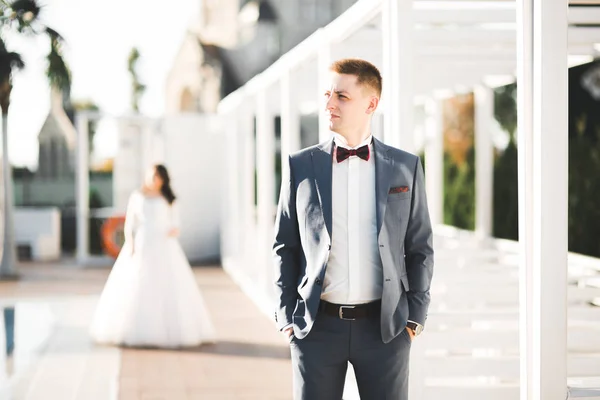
column 151, row 298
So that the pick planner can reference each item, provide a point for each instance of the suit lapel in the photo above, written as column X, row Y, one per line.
column 322, row 164
column 383, row 175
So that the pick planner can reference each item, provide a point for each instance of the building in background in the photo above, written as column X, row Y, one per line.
column 233, row 40
column 56, row 141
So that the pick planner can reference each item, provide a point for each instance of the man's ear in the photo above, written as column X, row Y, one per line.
column 373, row 103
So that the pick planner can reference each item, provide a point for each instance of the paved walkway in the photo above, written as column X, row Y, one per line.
column 54, row 358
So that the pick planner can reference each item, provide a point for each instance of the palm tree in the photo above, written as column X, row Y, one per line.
column 21, row 17
column 137, row 88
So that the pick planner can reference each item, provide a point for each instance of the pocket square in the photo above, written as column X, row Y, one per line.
column 399, row 189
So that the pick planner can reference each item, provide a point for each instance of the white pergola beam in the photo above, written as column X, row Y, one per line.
column 461, row 12
column 577, row 35
column 460, row 42
column 480, row 12
column 354, row 19
column 584, row 15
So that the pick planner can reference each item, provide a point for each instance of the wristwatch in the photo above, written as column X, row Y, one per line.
column 416, row 328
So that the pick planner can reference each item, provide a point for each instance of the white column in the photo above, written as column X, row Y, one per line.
column 543, row 187
column 290, row 119
column 323, row 62
column 387, row 73
column 551, row 188
column 82, row 197
column 247, row 162
column 525, row 182
column 265, row 154
column 484, row 160
column 434, row 159
column 231, row 234
column 8, row 257
column 398, row 63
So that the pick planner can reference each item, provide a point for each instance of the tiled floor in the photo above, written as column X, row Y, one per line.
column 56, row 359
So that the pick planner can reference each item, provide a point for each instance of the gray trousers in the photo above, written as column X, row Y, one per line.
column 320, row 360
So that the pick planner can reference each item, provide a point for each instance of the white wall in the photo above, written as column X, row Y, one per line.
column 193, row 155
column 190, row 147
column 141, row 144
column 40, row 229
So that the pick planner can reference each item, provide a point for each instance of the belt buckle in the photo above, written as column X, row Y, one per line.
column 341, row 313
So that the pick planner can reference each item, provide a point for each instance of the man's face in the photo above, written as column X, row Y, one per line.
column 349, row 105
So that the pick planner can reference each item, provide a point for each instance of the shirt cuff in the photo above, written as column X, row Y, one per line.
column 414, row 322
column 285, row 327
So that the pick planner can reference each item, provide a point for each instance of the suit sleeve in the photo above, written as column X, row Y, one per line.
column 418, row 247
column 286, row 251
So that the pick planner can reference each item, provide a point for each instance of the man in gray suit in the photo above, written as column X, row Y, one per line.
column 353, row 250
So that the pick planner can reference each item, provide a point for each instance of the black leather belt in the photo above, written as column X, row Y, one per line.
column 351, row 312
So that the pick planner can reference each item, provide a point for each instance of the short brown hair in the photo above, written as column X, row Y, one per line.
column 368, row 75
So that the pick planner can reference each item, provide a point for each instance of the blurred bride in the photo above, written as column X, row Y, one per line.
column 151, row 297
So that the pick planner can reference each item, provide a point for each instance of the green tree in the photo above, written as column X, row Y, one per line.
column 21, row 17
column 506, row 186
column 137, row 88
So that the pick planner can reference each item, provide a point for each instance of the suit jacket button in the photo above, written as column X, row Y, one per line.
column 318, row 281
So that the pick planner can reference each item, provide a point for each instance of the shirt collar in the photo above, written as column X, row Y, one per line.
column 341, row 141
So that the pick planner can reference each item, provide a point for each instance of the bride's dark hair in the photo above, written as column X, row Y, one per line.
column 165, row 189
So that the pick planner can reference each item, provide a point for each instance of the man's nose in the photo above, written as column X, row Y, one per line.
column 330, row 103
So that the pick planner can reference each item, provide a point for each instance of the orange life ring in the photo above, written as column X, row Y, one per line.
column 112, row 235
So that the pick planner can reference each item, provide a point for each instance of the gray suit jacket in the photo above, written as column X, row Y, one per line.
column 303, row 238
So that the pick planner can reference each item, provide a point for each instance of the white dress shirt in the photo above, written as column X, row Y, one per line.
column 354, row 271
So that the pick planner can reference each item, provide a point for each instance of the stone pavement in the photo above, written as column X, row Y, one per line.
column 54, row 358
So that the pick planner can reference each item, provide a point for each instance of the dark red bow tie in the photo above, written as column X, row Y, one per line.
column 362, row 152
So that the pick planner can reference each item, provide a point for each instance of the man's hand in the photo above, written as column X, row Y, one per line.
column 411, row 333
column 288, row 332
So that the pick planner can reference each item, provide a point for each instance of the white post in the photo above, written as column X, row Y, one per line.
column 387, row 73
column 290, row 119
column 543, row 190
column 398, row 59
column 248, row 165
column 550, row 192
column 82, row 197
column 484, row 161
column 434, row 159
column 8, row 258
column 265, row 154
column 525, row 182
column 323, row 62
column 403, row 66
column 231, row 237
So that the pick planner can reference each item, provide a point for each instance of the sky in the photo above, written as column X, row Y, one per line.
column 99, row 35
